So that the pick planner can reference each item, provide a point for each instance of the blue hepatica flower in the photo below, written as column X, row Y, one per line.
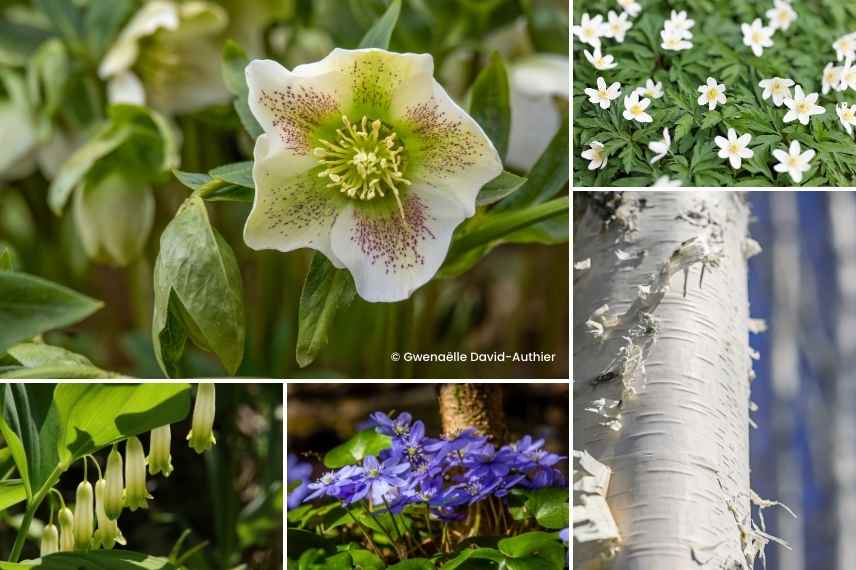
column 298, row 472
column 380, row 481
column 387, row 426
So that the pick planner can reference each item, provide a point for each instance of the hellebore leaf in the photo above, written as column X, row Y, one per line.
column 380, row 33
column 547, row 177
column 102, row 22
column 30, row 306
column 197, row 288
column 363, row 444
column 490, row 103
column 498, row 188
column 238, row 173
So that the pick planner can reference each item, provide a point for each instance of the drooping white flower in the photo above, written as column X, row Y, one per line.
column 632, row 7
column 674, row 41
column 781, row 15
column 84, row 516
column 845, row 46
column 660, row 148
column 634, row 109
column 734, row 148
column 600, row 61
column 107, row 532
column 794, row 162
column 366, row 159
column 136, row 493
column 595, row 155
column 848, row 76
column 159, row 459
column 66, row 529
column 712, row 94
column 114, row 485
column 201, row 435
column 616, row 26
column 652, row 90
column 680, row 23
column 801, row 106
column 50, row 540
column 847, row 116
column 777, row 88
column 666, row 182
column 757, row 36
column 831, row 78
column 590, row 30
column 603, row 95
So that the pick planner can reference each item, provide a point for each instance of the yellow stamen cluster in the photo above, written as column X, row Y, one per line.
column 364, row 161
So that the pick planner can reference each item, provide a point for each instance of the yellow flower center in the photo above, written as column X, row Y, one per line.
column 802, row 107
column 793, row 161
column 603, row 94
column 756, row 37
column 365, row 161
column 712, row 93
column 734, row 148
column 636, row 109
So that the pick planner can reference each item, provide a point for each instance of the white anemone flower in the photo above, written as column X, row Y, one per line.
column 777, row 88
column 632, row 7
column 712, row 93
column 652, row 89
column 673, row 40
column 603, row 95
column 847, row 116
column 845, row 47
column 801, row 106
column 600, row 61
column 366, row 159
column 634, row 109
column 831, row 78
column 848, row 76
column 596, row 155
column 162, row 57
column 616, row 26
column 590, row 30
column 781, row 15
column 757, row 36
column 666, row 182
column 680, row 23
column 660, row 148
column 734, row 148
column 794, row 162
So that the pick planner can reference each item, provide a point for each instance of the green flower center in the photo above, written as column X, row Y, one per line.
column 364, row 162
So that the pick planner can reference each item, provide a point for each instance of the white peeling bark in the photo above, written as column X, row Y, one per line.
column 842, row 215
column 661, row 393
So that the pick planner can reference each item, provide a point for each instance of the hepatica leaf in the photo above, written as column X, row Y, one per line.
column 365, row 443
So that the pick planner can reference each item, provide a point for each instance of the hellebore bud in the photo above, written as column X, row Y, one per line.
column 66, row 527
column 50, row 540
column 201, row 436
column 83, row 516
column 113, row 485
column 135, row 475
column 159, row 457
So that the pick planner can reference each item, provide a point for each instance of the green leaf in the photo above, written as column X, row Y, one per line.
column 102, row 22
column 235, row 60
column 473, row 553
column 197, row 285
column 30, row 306
column 19, row 41
column 528, row 544
column 12, row 492
column 193, row 180
column 380, row 33
column 326, row 290
column 547, row 177
column 299, row 541
column 6, row 260
column 95, row 560
column 413, row 564
column 363, row 444
column 65, row 16
column 238, row 173
column 498, row 188
column 366, row 560
column 683, row 127
column 39, row 360
column 490, row 103
column 711, row 119
column 549, row 507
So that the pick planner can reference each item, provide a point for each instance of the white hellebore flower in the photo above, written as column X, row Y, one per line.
column 163, row 57
column 781, row 15
column 630, row 6
column 660, row 148
column 366, row 159
column 201, row 435
column 50, row 540
column 596, row 155
column 634, row 109
column 793, row 162
column 734, row 148
column 114, row 485
column 600, row 61
column 802, row 107
column 847, row 116
column 832, row 78
column 712, row 94
column 757, row 36
column 680, row 23
column 848, row 76
column 159, row 458
column 590, row 30
column 603, row 95
column 84, row 518
column 652, row 90
column 674, row 40
column 66, row 529
column 666, row 182
column 845, row 46
column 616, row 26
column 136, row 494
column 778, row 88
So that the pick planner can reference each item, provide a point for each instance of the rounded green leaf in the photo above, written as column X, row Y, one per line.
column 363, row 444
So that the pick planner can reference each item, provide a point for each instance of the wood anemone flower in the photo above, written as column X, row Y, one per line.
column 366, row 159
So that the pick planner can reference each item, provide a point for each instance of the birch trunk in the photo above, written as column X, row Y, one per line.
column 661, row 393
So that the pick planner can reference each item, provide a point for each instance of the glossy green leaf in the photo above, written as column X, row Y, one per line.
column 326, row 290
column 380, row 33
column 366, row 560
column 95, row 560
column 193, row 180
column 473, row 554
column 547, row 177
column 30, row 306
column 197, row 284
column 413, row 564
column 363, row 444
column 550, row 507
column 39, row 360
column 235, row 60
column 540, row 544
column 238, row 173
column 12, row 492
column 498, row 188
column 490, row 103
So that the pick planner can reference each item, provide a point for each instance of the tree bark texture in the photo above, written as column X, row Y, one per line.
column 477, row 406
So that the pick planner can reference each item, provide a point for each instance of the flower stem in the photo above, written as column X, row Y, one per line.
column 365, row 533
